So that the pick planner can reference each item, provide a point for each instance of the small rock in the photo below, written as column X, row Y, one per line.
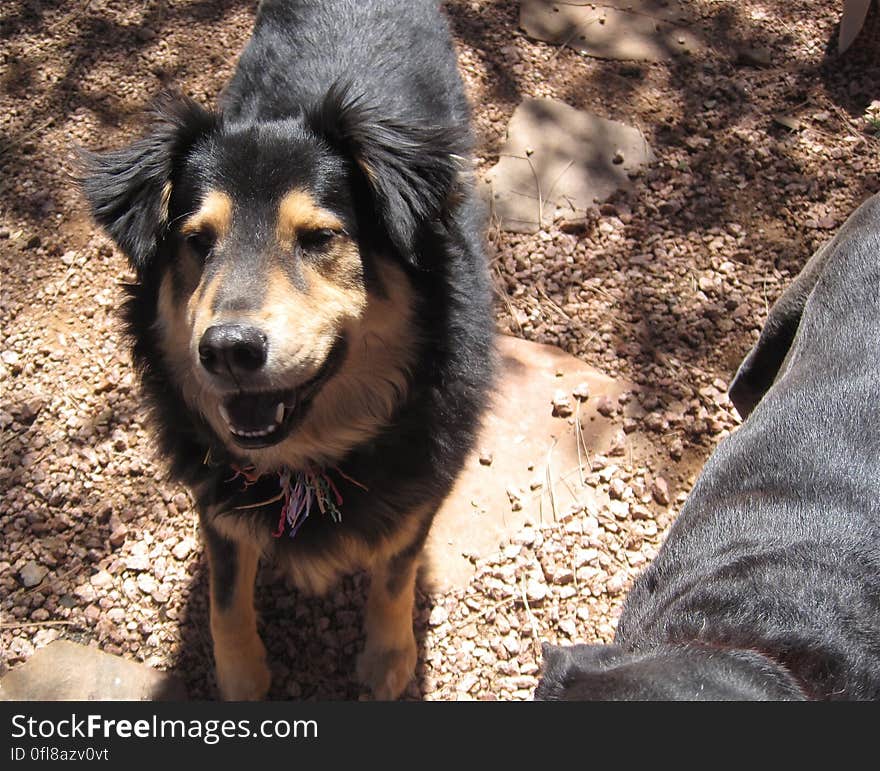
column 101, row 579
column 118, row 532
column 86, row 592
column 182, row 550
column 486, row 458
column 616, row 489
column 605, row 407
column 146, row 583
column 511, row 643
column 617, row 582
column 561, row 405
column 635, row 558
column 137, row 562
column 515, row 495
column 181, row 501
column 660, row 491
column 562, row 576
column 28, row 409
column 535, row 591
column 32, row 574
column 438, row 616
column 582, row 392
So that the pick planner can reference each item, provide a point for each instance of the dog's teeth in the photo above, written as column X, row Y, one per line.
column 279, row 412
column 224, row 413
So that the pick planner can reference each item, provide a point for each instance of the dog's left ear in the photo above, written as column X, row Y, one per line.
column 129, row 189
column 412, row 169
column 563, row 664
column 764, row 362
column 761, row 365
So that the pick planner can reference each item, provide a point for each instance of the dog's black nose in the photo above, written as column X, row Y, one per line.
column 233, row 349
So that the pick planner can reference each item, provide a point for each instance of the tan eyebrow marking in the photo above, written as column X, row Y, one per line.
column 298, row 211
column 215, row 214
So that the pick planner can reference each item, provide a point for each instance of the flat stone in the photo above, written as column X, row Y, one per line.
column 557, row 162
column 67, row 671
column 522, row 435
column 641, row 30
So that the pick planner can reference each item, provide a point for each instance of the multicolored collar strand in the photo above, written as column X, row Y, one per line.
column 300, row 491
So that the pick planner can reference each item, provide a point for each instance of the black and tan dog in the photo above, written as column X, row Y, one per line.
column 313, row 311
column 768, row 585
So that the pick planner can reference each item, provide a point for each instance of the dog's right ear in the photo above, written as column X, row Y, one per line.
column 129, row 189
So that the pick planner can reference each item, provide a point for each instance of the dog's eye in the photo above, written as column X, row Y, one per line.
column 316, row 240
column 201, row 243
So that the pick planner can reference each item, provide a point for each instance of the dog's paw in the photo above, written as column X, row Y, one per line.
column 387, row 671
column 243, row 678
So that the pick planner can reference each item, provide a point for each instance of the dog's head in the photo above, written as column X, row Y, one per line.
column 278, row 253
column 667, row 673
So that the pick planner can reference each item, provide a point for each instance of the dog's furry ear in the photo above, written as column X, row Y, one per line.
column 129, row 189
column 412, row 169
column 766, row 361
column 563, row 664
column 762, row 364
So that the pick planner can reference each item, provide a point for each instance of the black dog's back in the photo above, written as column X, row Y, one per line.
column 280, row 72
column 777, row 550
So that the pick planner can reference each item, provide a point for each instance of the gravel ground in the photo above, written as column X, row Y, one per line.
column 765, row 142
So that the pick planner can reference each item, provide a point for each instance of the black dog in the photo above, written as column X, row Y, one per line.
column 768, row 585
column 313, row 310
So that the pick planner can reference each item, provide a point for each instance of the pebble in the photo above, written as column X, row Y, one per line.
column 101, row 580
column 585, row 556
column 439, row 615
column 617, row 582
column 605, row 407
column 660, row 491
column 535, row 591
column 562, row 576
column 146, row 583
column 86, row 593
column 32, row 574
column 561, row 405
column 582, row 392
column 183, row 549
column 468, row 683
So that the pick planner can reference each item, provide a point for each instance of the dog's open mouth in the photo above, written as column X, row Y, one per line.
column 260, row 419
column 264, row 418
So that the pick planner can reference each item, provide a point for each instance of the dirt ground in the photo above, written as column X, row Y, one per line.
column 765, row 141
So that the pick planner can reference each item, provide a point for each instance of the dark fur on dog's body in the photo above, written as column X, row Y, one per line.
column 768, row 585
column 316, row 242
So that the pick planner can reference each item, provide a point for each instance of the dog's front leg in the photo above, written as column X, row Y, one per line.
column 389, row 658
column 239, row 655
